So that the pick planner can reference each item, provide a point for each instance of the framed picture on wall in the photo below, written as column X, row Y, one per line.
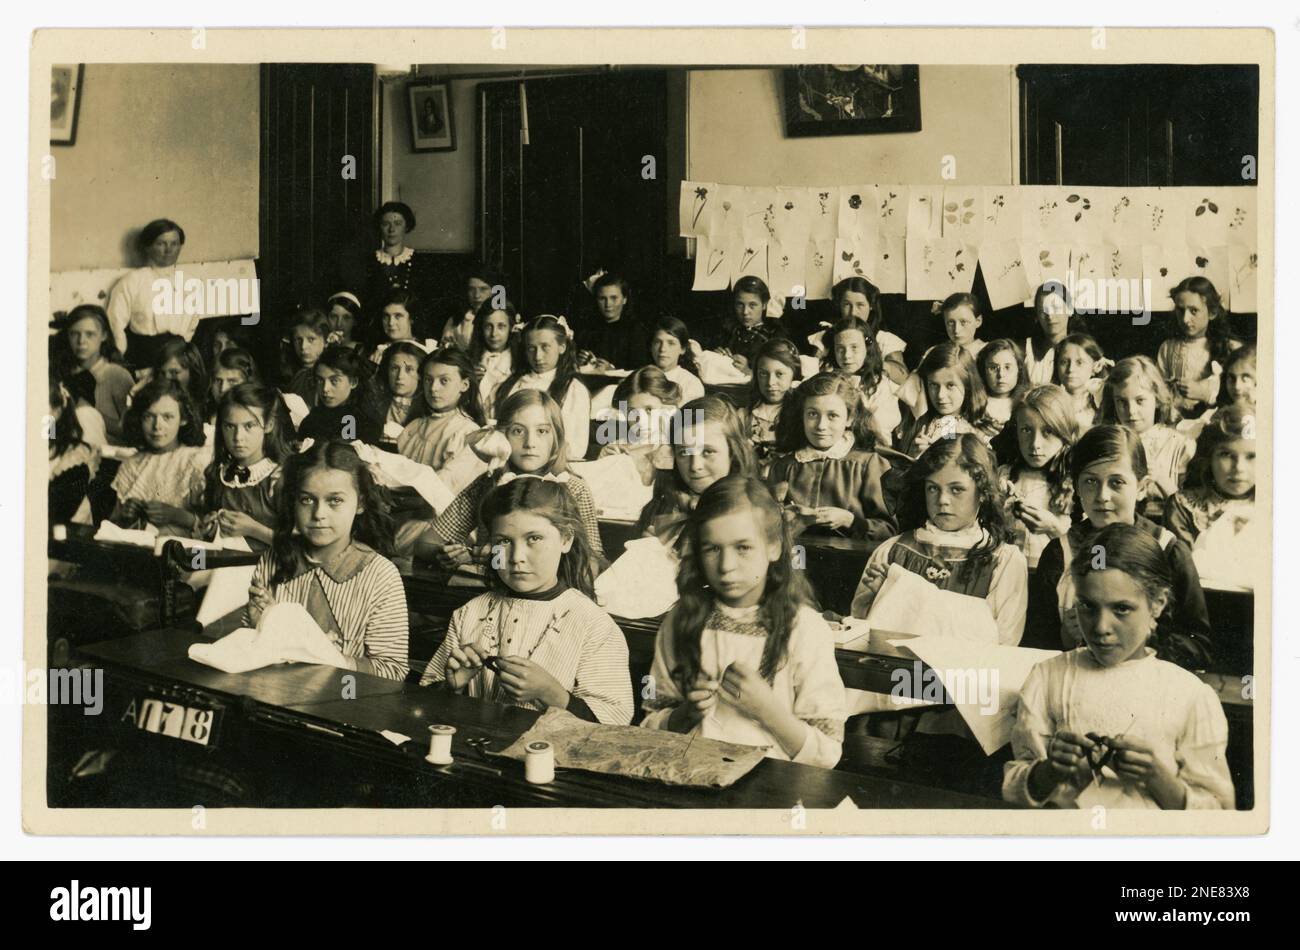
column 432, row 129
column 851, row 100
column 65, row 102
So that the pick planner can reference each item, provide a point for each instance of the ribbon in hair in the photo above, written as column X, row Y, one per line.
column 345, row 295
column 560, row 320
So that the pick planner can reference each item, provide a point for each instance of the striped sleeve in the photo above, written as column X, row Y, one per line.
column 386, row 634
column 260, row 574
column 436, row 671
column 581, row 493
column 602, row 680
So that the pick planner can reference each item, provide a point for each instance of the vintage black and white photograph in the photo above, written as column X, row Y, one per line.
column 719, row 442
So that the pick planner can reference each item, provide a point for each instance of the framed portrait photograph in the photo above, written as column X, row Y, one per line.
column 432, row 129
column 851, row 100
column 65, row 101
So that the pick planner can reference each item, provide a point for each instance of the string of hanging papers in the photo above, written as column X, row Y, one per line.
column 925, row 240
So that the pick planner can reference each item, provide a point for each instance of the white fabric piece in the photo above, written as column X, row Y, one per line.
column 392, row 470
column 908, row 603
column 719, row 370
column 616, row 486
column 227, row 591
column 144, row 537
column 297, row 406
column 983, row 680
column 641, row 583
column 1227, row 557
column 286, row 634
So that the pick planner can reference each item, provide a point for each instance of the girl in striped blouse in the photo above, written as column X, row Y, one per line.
column 332, row 530
column 537, row 638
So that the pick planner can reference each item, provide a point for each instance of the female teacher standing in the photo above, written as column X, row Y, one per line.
column 140, row 327
column 395, row 267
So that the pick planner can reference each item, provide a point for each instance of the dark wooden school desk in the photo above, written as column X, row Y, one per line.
column 291, row 724
column 80, row 547
column 428, row 593
column 129, row 569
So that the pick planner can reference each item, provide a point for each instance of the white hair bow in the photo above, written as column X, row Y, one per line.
column 507, row 477
column 568, row 331
column 345, row 295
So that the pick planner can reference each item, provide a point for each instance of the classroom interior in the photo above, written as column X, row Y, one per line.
column 548, row 175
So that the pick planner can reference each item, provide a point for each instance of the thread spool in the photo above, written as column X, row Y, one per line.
column 539, row 762
column 440, row 745
column 60, row 532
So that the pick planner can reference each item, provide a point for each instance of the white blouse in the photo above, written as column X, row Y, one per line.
column 131, row 304
column 1146, row 699
column 808, row 684
column 570, row 637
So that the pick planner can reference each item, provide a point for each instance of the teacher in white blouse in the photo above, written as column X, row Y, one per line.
column 139, row 327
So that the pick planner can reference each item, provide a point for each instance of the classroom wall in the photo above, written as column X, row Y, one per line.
column 175, row 141
column 724, row 125
column 737, row 133
column 441, row 187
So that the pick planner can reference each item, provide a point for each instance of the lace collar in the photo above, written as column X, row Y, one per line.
column 836, row 452
column 391, row 260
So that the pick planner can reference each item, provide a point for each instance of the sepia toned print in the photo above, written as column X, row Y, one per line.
column 676, row 447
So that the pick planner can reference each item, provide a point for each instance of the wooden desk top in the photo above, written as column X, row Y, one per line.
column 872, row 672
column 309, row 700
column 80, row 547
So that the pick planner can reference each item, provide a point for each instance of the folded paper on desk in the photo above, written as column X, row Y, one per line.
column 143, row 537
column 908, row 603
column 286, row 634
column 982, row 679
column 227, row 593
column 666, row 757
column 641, row 583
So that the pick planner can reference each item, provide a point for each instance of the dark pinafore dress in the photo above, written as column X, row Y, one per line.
column 946, row 567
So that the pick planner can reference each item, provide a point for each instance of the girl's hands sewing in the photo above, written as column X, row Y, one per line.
column 744, row 687
column 1041, row 521
column 873, row 578
column 700, row 700
column 259, row 598
column 1067, row 761
column 236, row 523
column 839, row 519
column 1136, row 763
column 463, row 664
column 453, row 556
column 526, row 682
column 160, row 514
